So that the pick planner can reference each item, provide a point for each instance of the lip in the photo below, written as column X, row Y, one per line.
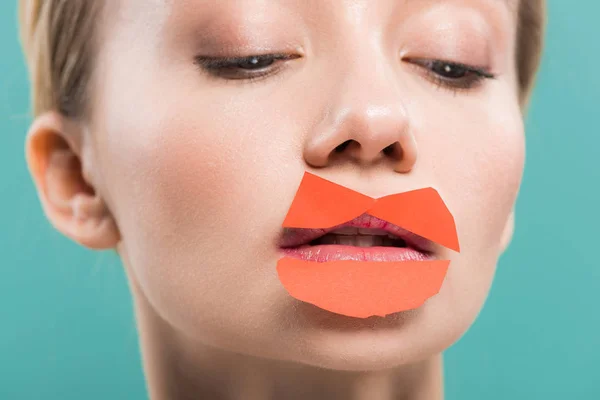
column 294, row 242
column 332, row 252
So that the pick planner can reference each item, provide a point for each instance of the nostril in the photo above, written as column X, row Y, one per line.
column 342, row 146
column 390, row 150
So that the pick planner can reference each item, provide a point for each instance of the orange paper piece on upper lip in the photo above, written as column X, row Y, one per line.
column 320, row 204
column 362, row 288
column 408, row 209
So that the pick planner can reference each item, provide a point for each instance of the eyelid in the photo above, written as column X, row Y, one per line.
column 478, row 74
column 224, row 62
column 226, row 68
column 480, row 70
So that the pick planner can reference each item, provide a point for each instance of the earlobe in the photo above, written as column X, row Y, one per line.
column 507, row 234
column 71, row 204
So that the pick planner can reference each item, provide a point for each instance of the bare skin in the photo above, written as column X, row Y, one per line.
column 189, row 174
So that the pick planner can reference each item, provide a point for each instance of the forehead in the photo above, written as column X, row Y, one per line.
column 161, row 12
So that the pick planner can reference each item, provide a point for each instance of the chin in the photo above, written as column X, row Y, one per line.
column 338, row 342
column 366, row 352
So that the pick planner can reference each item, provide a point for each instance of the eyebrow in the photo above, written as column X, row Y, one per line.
column 511, row 5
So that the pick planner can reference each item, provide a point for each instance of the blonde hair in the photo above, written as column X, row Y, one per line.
column 57, row 39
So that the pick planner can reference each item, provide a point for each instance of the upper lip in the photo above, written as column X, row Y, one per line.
column 294, row 237
column 321, row 206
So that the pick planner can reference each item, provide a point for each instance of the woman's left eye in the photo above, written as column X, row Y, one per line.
column 453, row 75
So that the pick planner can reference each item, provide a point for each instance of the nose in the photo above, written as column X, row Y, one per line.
column 365, row 122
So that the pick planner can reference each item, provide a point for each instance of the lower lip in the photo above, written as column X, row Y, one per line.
column 334, row 252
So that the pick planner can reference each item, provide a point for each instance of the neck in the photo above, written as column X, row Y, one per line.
column 177, row 367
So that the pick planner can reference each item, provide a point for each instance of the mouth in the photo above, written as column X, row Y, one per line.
column 365, row 238
column 366, row 265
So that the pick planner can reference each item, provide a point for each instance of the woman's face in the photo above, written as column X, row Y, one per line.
column 199, row 163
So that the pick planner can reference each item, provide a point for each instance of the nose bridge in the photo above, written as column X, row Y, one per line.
column 369, row 105
column 367, row 85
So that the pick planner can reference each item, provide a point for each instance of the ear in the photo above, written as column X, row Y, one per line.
column 53, row 153
column 507, row 234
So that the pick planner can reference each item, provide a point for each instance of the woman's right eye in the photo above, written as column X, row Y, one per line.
column 248, row 68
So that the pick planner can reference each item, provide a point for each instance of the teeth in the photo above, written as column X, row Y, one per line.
column 360, row 237
column 360, row 240
column 349, row 230
column 371, row 231
column 328, row 239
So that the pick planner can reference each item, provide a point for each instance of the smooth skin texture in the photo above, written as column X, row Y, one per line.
column 190, row 175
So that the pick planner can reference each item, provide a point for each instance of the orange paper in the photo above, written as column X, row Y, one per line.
column 320, row 203
column 360, row 288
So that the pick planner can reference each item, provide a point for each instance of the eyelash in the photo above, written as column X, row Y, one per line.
column 471, row 76
column 220, row 67
column 228, row 68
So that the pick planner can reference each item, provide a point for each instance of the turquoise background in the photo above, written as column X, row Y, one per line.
column 66, row 325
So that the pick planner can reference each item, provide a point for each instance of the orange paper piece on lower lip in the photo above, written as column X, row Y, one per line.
column 361, row 288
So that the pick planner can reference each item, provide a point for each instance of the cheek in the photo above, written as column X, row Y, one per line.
column 477, row 159
column 491, row 176
column 197, row 196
